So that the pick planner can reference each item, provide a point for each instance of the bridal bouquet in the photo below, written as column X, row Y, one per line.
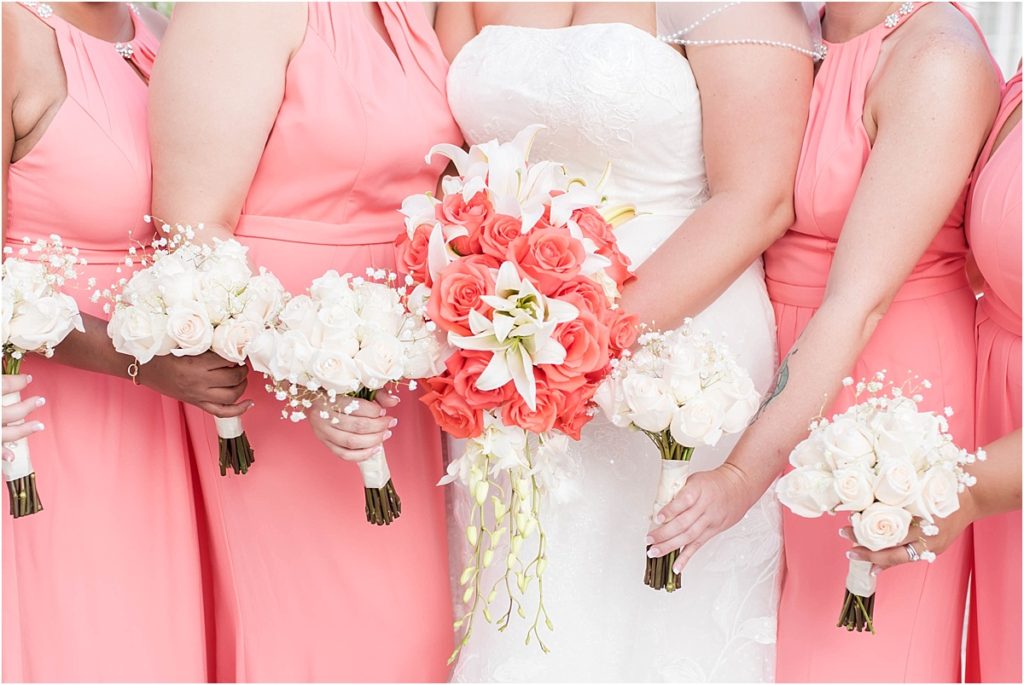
column 349, row 338
column 519, row 267
column 189, row 299
column 682, row 390
column 37, row 317
column 889, row 464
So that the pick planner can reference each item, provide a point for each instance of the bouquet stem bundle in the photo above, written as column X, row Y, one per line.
column 18, row 472
column 675, row 461
column 859, row 600
column 235, row 451
column 383, row 506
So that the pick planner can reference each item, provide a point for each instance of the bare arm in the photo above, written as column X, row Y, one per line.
column 455, row 26
column 754, row 102
column 934, row 109
column 214, row 96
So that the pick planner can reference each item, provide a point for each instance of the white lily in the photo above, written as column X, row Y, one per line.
column 418, row 210
column 593, row 262
column 518, row 333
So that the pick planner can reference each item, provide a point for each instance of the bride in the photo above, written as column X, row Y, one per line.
column 702, row 125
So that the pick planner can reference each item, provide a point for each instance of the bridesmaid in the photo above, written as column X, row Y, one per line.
column 994, row 232
column 871, row 276
column 105, row 583
column 299, row 128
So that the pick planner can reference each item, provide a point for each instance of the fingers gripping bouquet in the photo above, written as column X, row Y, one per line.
column 891, row 465
column 188, row 299
column 37, row 317
column 520, row 270
column 349, row 338
column 682, row 390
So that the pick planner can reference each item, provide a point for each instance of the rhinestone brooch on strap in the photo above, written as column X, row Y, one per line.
column 896, row 17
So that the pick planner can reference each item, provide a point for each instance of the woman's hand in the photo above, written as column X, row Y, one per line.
column 14, row 425
column 710, row 502
column 950, row 529
column 358, row 435
column 208, row 381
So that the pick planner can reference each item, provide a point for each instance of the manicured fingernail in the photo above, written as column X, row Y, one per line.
column 40, row 401
column 652, row 552
column 853, row 556
column 659, row 518
column 382, row 412
column 842, row 533
column 387, row 434
column 28, row 379
column 875, row 571
column 38, row 427
column 649, row 540
column 392, row 423
column 677, row 568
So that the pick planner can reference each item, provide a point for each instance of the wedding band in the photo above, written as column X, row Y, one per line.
column 911, row 552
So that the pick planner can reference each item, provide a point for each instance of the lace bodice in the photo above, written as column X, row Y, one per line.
column 607, row 93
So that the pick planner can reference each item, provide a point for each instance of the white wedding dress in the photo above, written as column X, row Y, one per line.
column 614, row 93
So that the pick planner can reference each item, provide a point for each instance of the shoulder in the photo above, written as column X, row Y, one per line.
column 154, row 21
column 940, row 52
column 241, row 22
column 30, row 52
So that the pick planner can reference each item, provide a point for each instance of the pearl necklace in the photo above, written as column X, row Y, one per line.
column 679, row 38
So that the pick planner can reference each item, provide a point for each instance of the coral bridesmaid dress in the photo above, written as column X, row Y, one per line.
column 104, row 584
column 994, row 233
column 306, row 589
column 927, row 330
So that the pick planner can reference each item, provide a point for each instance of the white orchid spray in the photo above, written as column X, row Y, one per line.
column 37, row 316
column 887, row 462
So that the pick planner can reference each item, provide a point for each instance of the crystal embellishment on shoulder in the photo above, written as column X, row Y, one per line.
column 124, row 49
column 893, row 19
column 40, row 8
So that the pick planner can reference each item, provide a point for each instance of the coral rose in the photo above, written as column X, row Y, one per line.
column 457, row 291
column 450, row 410
column 412, row 253
column 548, row 256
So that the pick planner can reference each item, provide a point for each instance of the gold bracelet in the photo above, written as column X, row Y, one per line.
column 133, row 372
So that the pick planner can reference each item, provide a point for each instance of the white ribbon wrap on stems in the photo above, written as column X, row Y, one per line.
column 229, row 428
column 21, row 465
column 375, row 470
column 673, row 477
column 859, row 580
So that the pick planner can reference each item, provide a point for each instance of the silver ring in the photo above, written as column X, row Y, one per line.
column 911, row 552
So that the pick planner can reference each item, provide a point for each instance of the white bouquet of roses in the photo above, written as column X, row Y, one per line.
column 190, row 299
column 349, row 338
column 889, row 464
column 37, row 317
column 682, row 390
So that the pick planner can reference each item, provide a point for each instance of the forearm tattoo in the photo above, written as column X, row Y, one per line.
column 781, row 379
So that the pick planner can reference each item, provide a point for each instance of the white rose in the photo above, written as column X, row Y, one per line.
column 231, row 338
column 853, row 487
column 338, row 324
column 336, row 371
column 897, row 483
column 230, row 272
column 380, row 360
column 300, row 314
column 650, row 402
column 8, row 307
column 189, row 327
column 291, row 358
column 418, row 299
column 610, row 399
column 332, row 287
column 810, row 452
column 143, row 290
column 807, row 492
column 261, row 351
column 139, row 333
column 26, row 278
column 219, row 302
column 698, row 422
column 881, row 526
column 847, row 443
column 44, row 322
column 741, row 403
column 177, row 280
column 905, row 434
column 380, row 310
column 682, row 371
column 425, row 357
column 230, row 249
column 263, row 298
column 939, row 494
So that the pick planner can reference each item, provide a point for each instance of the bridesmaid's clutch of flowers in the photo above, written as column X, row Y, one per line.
column 519, row 267
column 682, row 390
column 189, row 298
column 37, row 317
column 349, row 337
column 889, row 464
